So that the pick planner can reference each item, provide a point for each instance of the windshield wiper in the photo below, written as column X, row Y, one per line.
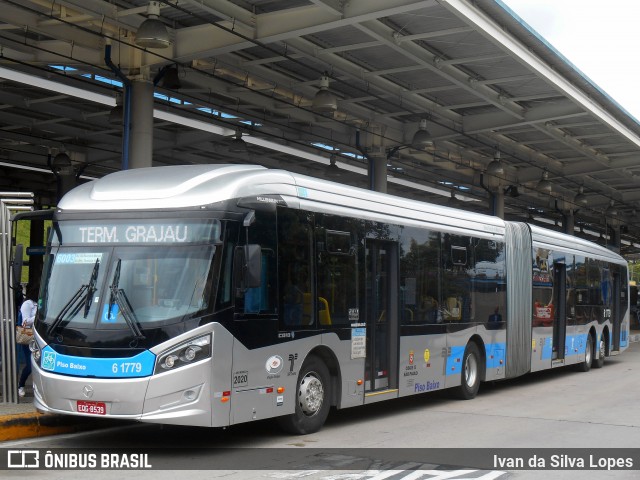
column 73, row 306
column 119, row 297
column 91, row 288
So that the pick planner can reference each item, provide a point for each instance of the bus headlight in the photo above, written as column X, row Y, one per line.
column 186, row 353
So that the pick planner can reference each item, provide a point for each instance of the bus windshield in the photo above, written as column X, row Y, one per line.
column 125, row 287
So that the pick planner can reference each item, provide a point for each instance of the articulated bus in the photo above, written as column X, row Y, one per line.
column 212, row 295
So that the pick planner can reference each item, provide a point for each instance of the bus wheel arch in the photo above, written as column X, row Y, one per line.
column 473, row 369
column 313, row 396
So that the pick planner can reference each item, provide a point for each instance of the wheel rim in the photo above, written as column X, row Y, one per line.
column 587, row 358
column 471, row 370
column 311, row 394
column 601, row 350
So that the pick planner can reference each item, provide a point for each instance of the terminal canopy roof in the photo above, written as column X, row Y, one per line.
column 472, row 73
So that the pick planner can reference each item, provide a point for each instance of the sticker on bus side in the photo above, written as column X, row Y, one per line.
column 140, row 365
column 358, row 343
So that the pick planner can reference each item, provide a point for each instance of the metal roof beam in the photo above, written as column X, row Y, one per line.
column 225, row 10
column 467, row 60
column 423, row 57
column 491, row 121
column 513, row 78
column 496, row 33
column 391, row 71
column 335, row 7
column 295, row 22
column 102, row 11
column 278, row 80
column 349, row 48
column 435, row 34
column 266, row 61
column 208, row 40
column 31, row 22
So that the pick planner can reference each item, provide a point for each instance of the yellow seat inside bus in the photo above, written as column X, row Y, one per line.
column 323, row 310
column 453, row 310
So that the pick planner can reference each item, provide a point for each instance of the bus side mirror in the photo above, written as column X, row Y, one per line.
column 16, row 267
column 248, row 264
column 253, row 269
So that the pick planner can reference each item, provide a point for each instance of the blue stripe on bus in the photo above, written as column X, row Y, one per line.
column 454, row 360
column 624, row 338
column 547, row 349
column 494, row 353
column 574, row 345
column 140, row 365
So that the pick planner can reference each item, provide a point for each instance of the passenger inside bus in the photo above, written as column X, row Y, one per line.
column 495, row 320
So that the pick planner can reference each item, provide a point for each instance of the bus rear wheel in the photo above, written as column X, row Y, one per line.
column 585, row 366
column 600, row 353
column 471, row 373
column 313, row 394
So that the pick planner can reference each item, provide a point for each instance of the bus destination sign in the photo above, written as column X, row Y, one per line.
column 140, row 232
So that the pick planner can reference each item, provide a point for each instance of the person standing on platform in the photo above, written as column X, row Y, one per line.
column 28, row 310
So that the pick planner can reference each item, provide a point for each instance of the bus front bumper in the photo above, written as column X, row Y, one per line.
column 181, row 397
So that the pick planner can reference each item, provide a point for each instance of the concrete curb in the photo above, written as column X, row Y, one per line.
column 30, row 425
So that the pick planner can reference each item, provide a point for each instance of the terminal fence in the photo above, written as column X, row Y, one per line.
column 10, row 202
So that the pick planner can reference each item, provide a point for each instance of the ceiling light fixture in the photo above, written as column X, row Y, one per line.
column 512, row 191
column 580, row 198
column 333, row 170
column 324, row 101
column 422, row 139
column 61, row 164
column 452, row 201
column 544, row 184
column 171, row 79
column 152, row 33
column 237, row 145
column 495, row 168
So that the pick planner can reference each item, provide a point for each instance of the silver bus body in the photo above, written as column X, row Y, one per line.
column 237, row 383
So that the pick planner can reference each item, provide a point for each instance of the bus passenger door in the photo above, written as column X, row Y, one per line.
column 381, row 365
column 560, row 315
column 616, row 312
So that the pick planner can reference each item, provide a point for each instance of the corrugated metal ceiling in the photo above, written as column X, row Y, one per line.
column 479, row 76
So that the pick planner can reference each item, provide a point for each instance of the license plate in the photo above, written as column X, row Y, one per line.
column 94, row 408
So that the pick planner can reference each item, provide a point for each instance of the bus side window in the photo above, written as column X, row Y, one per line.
column 337, row 279
column 419, row 276
column 456, row 306
column 295, row 268
column 225, row 287
column 260, row 300
column 257, row 299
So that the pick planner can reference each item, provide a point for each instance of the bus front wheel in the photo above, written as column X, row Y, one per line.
column 471, row 373
column 313, row 394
